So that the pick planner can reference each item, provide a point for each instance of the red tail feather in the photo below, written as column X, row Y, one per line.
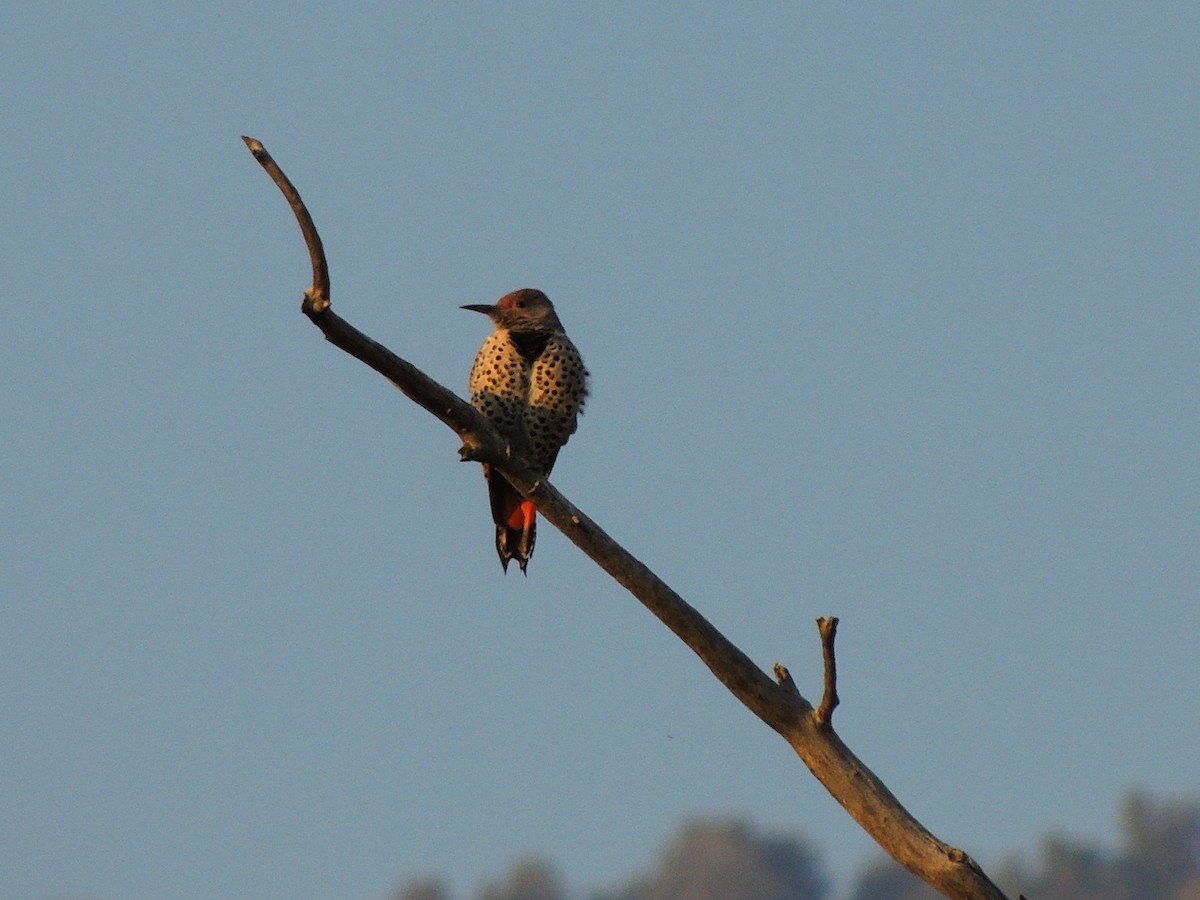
column 515, row 518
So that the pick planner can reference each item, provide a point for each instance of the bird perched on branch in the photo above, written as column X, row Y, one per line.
column 529, row 380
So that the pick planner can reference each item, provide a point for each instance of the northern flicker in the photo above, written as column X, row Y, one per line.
column 529, row 380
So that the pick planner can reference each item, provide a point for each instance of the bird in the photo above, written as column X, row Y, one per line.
column 530, row 382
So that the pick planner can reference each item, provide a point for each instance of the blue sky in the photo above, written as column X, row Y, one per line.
column 891, row 313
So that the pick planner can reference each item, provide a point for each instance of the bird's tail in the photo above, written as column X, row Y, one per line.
column 515, row 518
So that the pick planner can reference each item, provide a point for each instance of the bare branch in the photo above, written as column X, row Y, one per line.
column 318, row 294
column 779, row 705
column 829, row 700
column 784, row 678
column 445, row 404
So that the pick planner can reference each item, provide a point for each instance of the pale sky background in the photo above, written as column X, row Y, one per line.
column 892, row 315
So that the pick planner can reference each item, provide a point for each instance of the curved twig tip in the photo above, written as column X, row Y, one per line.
column 316, row 298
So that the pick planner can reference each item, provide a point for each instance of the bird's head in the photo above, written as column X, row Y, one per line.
column 524, row 310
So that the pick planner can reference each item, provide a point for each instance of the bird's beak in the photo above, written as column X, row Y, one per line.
column 485, row 308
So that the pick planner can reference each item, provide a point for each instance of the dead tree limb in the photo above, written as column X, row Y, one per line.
column 829, row 700
column 778, row 703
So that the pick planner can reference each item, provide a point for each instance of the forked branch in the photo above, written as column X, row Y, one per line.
column 780, row 705
column 829, row 700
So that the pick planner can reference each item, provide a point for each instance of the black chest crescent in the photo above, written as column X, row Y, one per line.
column 530, row 344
